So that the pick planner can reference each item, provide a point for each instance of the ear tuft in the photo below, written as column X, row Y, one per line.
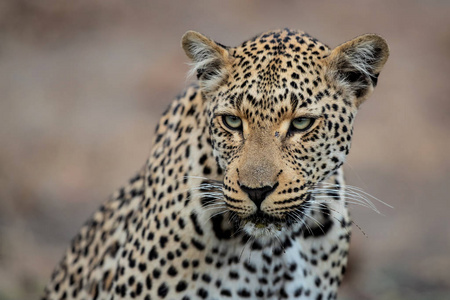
column 210, row 61
column 357, row 64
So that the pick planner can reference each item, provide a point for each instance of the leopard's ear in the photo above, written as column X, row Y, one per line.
column 356, row 64
column 210, row 61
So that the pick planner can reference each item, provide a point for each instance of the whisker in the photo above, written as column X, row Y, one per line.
column 250, row 249
column 355, row 202
column 243, row 249
column 214, row 215
column 349, row 194
column 298, row 218
column 237, row 232
column 320, row 225
column 345, row 193
column 355, row 188
column 340, row 221
column 281, row 244
column 215, row 208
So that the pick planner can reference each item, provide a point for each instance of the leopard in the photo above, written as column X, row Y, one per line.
column 243, row 195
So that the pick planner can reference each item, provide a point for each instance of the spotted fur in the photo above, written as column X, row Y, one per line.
column 257, row 212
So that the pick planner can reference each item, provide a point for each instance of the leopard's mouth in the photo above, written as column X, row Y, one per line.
column 262, row 220
column 262, row 224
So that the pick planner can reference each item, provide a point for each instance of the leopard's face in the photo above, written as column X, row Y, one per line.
column 275, row 146
column 280, row 115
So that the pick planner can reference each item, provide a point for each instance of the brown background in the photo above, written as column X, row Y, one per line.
column 82, row 84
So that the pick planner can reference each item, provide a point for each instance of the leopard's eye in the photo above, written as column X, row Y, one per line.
column 232, row 122
column 302, row 124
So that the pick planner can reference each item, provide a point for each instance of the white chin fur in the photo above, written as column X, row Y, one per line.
column 267, row 232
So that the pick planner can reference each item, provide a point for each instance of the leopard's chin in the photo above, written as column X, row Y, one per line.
column 262, row 230
column 261, row 225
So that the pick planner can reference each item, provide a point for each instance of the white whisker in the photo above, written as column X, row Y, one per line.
column 357, row 189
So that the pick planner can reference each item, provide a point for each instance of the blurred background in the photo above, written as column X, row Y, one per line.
column 82, row 85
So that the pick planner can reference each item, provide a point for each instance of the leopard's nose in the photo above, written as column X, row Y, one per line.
column 257, row 195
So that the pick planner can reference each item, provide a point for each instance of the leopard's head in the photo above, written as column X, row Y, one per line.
column 280, row 109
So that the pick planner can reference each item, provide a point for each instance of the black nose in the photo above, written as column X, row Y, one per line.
column 257, row 195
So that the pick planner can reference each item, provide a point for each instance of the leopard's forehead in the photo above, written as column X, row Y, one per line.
column 276, row 72
column 279, row 43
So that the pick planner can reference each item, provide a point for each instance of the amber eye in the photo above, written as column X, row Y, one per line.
column 232, row 122
column 302, row 124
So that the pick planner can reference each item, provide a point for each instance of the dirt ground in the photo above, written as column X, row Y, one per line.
column 82, row 84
